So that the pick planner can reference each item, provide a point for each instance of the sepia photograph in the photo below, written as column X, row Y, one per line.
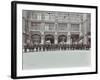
column 53, row 39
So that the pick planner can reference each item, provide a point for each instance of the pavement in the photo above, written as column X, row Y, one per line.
column 56, row 59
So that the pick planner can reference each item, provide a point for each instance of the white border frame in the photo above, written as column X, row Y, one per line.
column 34, row 72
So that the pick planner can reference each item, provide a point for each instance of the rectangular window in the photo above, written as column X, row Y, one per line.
column 46, row 17
column 35, row 25
column 49, row 26
column 37, row 16
column 49, row 16
column 74, row 27
column 62, row 26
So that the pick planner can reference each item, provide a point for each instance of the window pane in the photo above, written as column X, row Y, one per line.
column 49, row 16
column 49, row 26
column 62, row 27
column 36, row 16
column 35, row 26
column 74, row 27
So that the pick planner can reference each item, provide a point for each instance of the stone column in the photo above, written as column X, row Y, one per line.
column 42, row 37
column 85, row 28
column 80, row 30
column 56, row 40
column 42, row 27
column 85, row 39
column 56, row 26
column 68, row 38
column 68, row 35
column 42, row 32
column 80, row 27
column 42, row 40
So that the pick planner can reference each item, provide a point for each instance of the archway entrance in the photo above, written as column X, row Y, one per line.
column 62, row 38
column 75, row 38
column 49, row 39
column 36, row 39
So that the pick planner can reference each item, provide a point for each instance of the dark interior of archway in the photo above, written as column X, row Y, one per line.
column 49, row 37
column 74, row 37
column 36, row 38
column 62, row 38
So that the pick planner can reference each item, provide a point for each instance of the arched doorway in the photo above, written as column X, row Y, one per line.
column 36, row 39
column 62, row 38
column 49, row 38
column 75, row 38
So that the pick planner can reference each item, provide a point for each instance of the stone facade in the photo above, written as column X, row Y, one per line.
column 41, row 26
